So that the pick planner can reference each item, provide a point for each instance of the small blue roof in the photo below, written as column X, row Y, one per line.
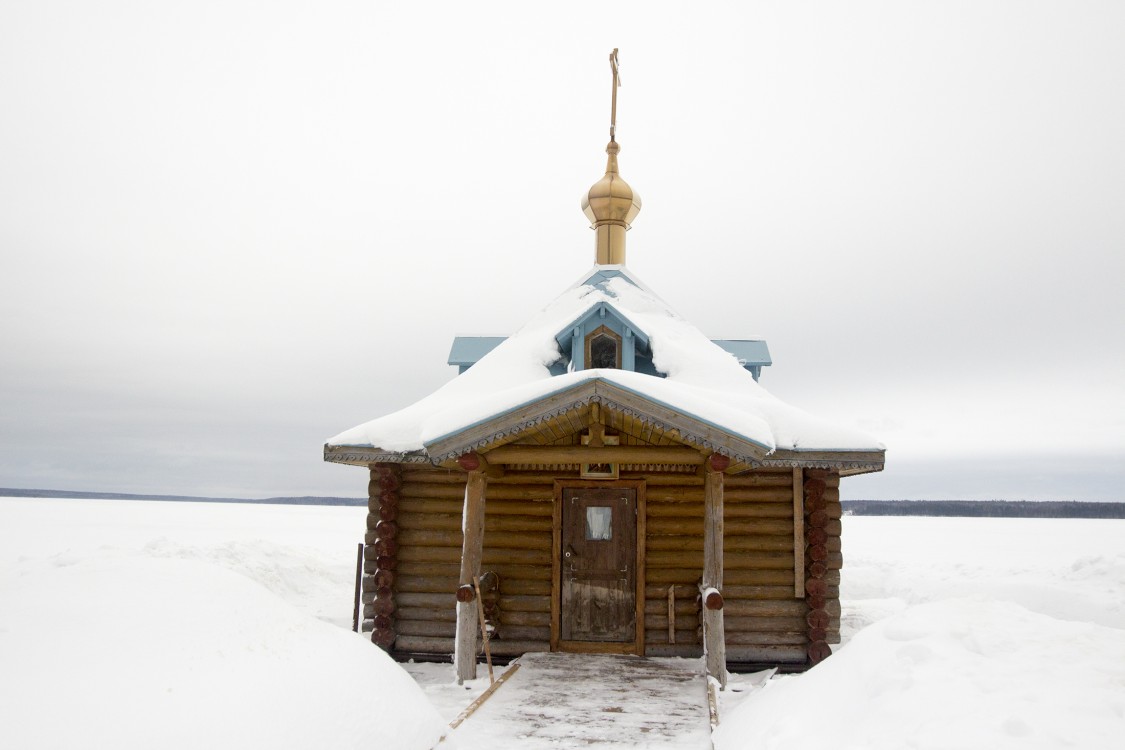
column 748, row 352
column 467, row 350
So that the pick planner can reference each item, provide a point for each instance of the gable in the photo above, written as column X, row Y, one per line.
column 649, row 421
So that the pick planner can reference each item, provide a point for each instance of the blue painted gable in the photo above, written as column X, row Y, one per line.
column 572, row 338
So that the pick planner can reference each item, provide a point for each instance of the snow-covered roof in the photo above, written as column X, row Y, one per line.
column 703, row 386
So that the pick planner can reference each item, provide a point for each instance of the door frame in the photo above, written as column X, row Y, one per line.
column 597, row 647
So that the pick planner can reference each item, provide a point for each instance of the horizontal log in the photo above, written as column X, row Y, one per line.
column 492, row 539
column 430, row 521
column 432, row 570
column 505, row 647
column 731, row 526
column 766, row 608
column 624, row 454
column 523, row 633
column 523, row 587
column 419, row 644
column 426, row 585
column 660, row 592
column 731, row 544
column 509, row 617
column 447, row 599
column 492, row 507
column 689, row 495
column 525, row 603
column 757, row 543
column 779, row 478
column 834, row 561
column 767, row 654
column 737, row 638
column 677, row 649
column 658, row 509
column 498, row 492
column 664, row 479
column 510, row 572
column 656, row 633
column 751, row 560
column 753, row 577
column 520, row 523
column 765, row 624
column 671, row 543
column 492, row 557
column 685, row 607
column 692, row 561
column 731, row 592
column 415, row 554
column 427, row 628
column 680, row 575
column 444, row 614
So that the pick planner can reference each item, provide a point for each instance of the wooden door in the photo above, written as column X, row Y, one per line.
column 598, row 565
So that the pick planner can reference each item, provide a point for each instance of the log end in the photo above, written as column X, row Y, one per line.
column 718, row 462
column 469, row 462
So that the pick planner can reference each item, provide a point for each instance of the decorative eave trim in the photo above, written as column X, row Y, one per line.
column 507, row 427
column 846, row 462
column 363, row 455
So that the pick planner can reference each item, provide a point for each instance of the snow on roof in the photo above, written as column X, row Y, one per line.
column 701, row 380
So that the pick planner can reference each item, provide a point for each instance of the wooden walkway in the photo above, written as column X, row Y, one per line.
column 592, row 701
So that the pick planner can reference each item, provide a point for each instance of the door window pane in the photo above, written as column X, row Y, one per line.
column 599, row 523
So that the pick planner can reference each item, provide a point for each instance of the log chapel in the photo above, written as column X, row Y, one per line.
column 607, row 480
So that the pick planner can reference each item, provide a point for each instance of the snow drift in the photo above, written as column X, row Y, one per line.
column 125, row 650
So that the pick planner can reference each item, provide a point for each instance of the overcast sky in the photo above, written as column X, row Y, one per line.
column 230, row 230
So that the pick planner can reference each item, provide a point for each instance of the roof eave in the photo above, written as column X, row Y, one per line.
column 846, row 462
column 365, row 455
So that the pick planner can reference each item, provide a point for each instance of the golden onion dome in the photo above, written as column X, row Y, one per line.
column 610, row 200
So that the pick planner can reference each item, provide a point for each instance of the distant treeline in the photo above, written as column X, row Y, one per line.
column 69, row 494
column 985, row 508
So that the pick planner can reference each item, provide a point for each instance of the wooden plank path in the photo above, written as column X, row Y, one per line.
column 560, row 700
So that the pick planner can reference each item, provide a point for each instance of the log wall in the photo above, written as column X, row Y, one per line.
column 764, row 620
column 517, row 547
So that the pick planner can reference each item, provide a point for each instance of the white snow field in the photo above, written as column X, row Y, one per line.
column 131, row 624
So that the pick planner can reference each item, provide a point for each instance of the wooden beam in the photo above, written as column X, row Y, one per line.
column 579, row 454
column 472, row 548
column 714, row 639
column 798, row 532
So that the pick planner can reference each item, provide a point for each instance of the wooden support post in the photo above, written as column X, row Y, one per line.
column 714, row 637
column 465, row 648
column 798, row 533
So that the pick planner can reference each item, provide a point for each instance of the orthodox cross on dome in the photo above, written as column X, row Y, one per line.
column 614, row 65
column 611, row 205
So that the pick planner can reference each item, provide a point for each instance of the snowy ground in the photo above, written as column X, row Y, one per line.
column 138, row 624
